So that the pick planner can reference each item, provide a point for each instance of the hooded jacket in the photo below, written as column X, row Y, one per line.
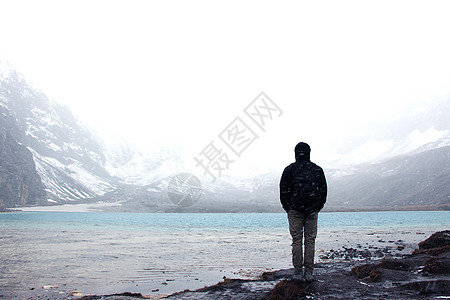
column 303, row 186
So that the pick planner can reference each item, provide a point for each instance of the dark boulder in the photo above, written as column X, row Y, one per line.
column 438, row 239
column 363, row 271
column 436, row 244
column 288, row 290
column 438, row 265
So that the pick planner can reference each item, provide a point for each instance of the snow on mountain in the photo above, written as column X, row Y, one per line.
column 369, row 151
column 417, row 127
column 133, row 165
column 143, row 169
column 68, row 157
column 375, row 150
column 5, row 69
column 416, row 140
column 443, row 142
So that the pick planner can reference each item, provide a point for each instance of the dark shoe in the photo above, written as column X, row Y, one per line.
column 309, row 276
column 298, row 276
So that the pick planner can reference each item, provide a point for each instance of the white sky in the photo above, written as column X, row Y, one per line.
column 179, row 72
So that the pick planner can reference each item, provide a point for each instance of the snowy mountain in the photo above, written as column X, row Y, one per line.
column 48, row 157
column 418, row 180
column 402, row 164
column 418, row 126
column 68, row 158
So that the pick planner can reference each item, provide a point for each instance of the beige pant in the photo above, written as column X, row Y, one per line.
column 303, row 225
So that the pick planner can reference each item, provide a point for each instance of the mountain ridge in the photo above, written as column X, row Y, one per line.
column 75, row 165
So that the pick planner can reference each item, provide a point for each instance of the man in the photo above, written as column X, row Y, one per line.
column 303, row 192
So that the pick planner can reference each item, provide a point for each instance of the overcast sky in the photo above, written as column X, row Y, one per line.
column 178, row 72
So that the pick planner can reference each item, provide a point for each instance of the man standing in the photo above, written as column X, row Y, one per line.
column 303, row 192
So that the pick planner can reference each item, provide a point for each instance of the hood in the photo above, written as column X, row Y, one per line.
column 302, row 151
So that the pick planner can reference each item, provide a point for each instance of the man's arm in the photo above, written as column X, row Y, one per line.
column 323, row 189
column 285, row 188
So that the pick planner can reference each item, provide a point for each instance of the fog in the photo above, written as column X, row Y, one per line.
column 177, row 73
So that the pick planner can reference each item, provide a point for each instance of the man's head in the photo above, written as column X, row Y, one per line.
column 302, row 151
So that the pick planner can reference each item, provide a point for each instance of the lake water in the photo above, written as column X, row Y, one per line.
column 104, row 253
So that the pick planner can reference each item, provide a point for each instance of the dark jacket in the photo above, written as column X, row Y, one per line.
column 303, row 186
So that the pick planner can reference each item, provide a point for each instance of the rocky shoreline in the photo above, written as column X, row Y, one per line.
column 353, row 273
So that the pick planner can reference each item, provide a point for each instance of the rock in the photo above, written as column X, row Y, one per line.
column 433, row 251
column 428, row 287
column 388, row 256
column 438, row 239
column 362, row 271
column 366, row 272
column 394, row 264
column 48, row 287
column 287, row 290
column 276, row 275
column 374, row 275
column 440, row 265
column 126, row 295
column 436, row 244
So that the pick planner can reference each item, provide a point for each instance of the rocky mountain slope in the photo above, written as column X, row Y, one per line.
column 67, row 157
column 409, row 181
column 19, row 182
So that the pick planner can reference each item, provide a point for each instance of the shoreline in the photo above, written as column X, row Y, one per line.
column 101, row 206
column 332, row 273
